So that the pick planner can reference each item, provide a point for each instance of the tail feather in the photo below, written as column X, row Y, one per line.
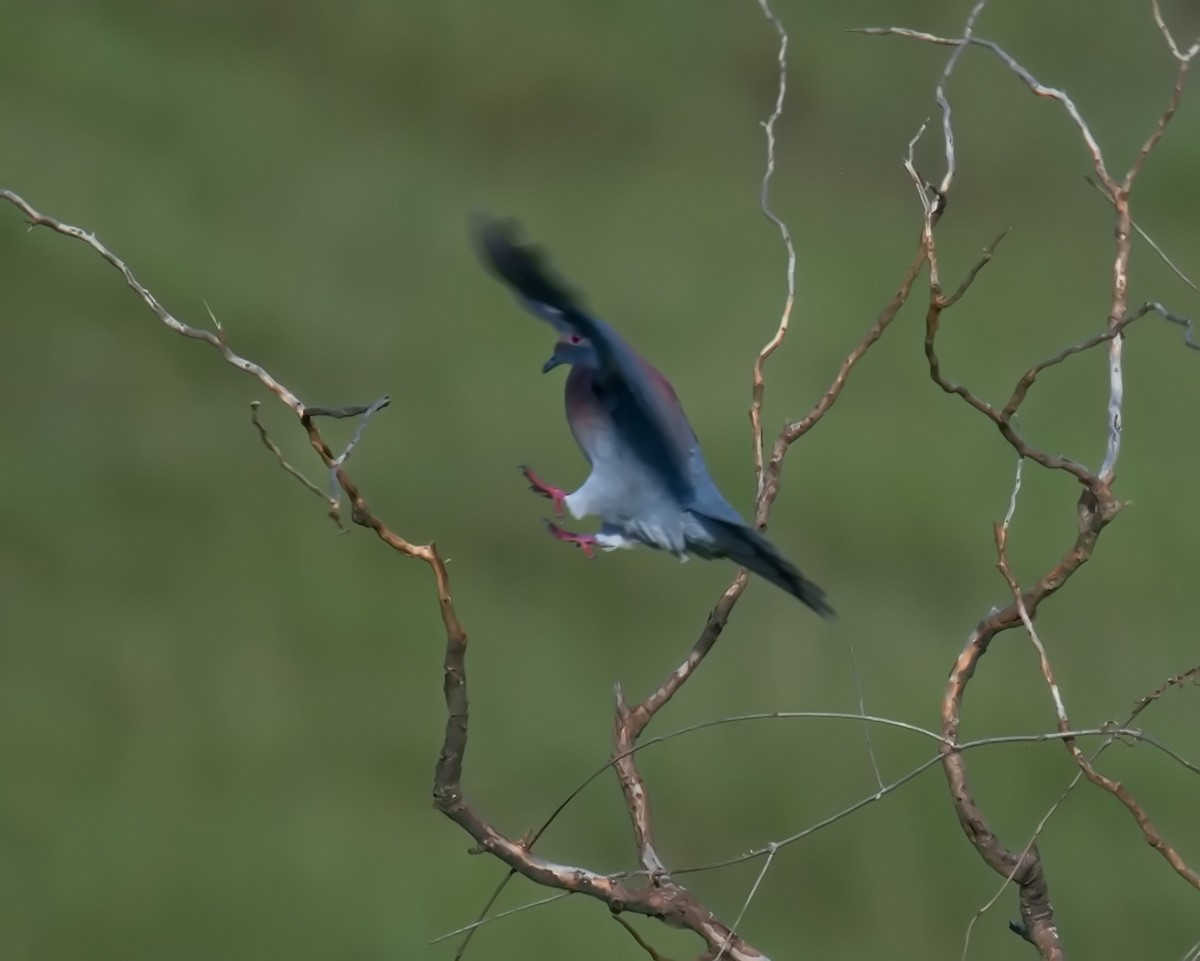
column 747, row 547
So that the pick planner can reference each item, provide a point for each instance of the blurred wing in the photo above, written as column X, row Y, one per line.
column 639, row 399
column 520, row 269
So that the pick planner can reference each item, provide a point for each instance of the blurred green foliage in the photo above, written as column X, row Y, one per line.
column 218, row 719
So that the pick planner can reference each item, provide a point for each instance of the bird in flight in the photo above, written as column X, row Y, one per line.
column 649, row 483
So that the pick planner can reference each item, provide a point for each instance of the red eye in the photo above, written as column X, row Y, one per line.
column 576, row 339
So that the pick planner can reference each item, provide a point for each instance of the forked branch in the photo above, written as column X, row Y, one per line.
column 1097, row 505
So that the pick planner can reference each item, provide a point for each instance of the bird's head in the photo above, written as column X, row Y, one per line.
column 574, row 349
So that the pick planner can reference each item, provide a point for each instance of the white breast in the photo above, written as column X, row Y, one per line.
column 620, row 488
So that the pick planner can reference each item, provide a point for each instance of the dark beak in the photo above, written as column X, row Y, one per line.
column 553, row 362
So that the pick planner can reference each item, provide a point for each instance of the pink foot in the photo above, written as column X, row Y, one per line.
column 555, row 494
column 585, row 542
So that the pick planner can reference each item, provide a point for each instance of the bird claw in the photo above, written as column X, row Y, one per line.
column 554, row 494
column 585, row 542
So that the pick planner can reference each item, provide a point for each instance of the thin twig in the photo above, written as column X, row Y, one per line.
column 1111, row 738
column 340, row 460
column 759, row 384
column 669, row 901
column 1004, row 566
column 214, row 340
column 1150, row 240
column 641, row 942
column 500, row 915
column 1035, row 86
column 943, row 102
column 772, row 849
column 335, row 510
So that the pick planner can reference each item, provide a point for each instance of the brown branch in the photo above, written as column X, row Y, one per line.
column 1149, row 831
column 1119, row 791
column 1171, row 265
column 1184, row 60
column 938, row 303
column 1120, row 270
column 1035, row 86
column 1117, row 192
column 794, row 431
column 628, row 726
column 1027, row 379
column 633, row 786
column 662, row 897
column 1192, row 674
column 668, row 901
column 1096, row 508
column 718, row 617
column 758, row 383
column 1024, row 867
column 1124, row 731
column 335, row 509
column 631, row 722
column 214, row 340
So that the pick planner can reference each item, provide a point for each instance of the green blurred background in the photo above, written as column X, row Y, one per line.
column 219, row 719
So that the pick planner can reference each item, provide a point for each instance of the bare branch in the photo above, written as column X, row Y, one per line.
column 467, row 928
column 718, row 617
column 1185, row 61
column 772, row 849
column 344, row 456
column 940, row 94
column 1035, row 86
column 633, row 786
column 931, row 209
column 355, row 410
column 335, row 510
column 1022, row 387
column 1112, row 736
column 1005, row 568
column 1117, row 192
column 1191, row 675
column 988, row 252
column 938, row 303
column 216, row 341
column 1120, row 288
column 662, row 896
column 759, row 385
column 1151, row 834
column 794, row 431
column 1153, row 245
column 1181, row 56
column 669, row 901
column 1186, row 323
column 962, row 747
column 641, row 942
column 367, row 413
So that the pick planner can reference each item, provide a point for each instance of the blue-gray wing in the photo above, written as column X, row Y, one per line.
column 639, row 399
